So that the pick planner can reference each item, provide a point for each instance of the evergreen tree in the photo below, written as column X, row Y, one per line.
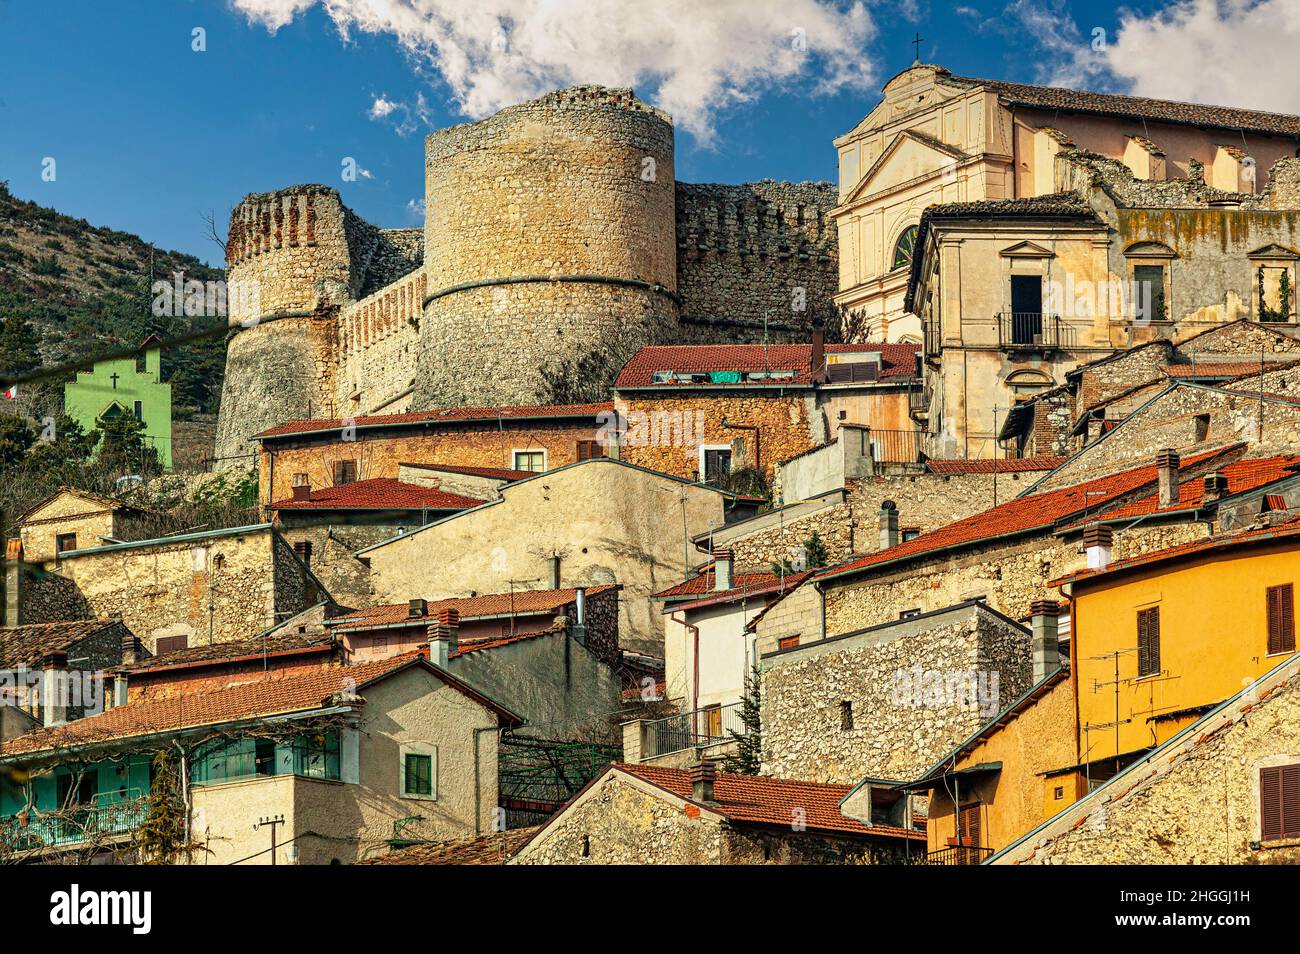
column 815, row 551
column 1284, row 294
column 161, row 838
column 749, row 744
column 15, row 438
column 18, row 351
column 122, row 447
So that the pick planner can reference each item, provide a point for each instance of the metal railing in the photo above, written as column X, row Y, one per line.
column 958, row 855
column 918, row 400
column 1030, row 330
column 895, row 447
column 695, row 729
column 931, row 332
column 73, row 826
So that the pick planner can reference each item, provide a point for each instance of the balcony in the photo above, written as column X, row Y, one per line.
column 690, row 730
column 76, row 826
column 958, row 855
column 1028, row 331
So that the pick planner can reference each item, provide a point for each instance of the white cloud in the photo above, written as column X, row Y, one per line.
column 689, row 57
column 381, row 107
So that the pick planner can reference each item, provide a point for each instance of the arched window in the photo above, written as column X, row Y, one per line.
column 904, row 248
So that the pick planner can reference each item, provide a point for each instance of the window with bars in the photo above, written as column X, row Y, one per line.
column 1281, row 619
column 1148, row 641
column 1279, row 802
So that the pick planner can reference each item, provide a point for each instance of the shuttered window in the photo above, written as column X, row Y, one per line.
column 588, row 450
column 1279, row 802
column 1281, row 619
column 787, row 642
column 968, row 822
column 1148, row 626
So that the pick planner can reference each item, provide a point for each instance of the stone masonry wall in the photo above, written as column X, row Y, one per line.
column 915, row 692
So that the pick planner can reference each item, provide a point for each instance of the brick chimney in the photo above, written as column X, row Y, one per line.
column 443, row 637
column 1167, row 476
column 703, row 776
column 54, row 688
column 724, row 569
column 1097, row 544
column 301, row 487
column 1044, row 642
column 1215, row 487
column 888, row 525
column 417, row 609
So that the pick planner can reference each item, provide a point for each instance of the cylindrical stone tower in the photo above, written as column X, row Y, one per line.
column 550, row 250
column 288, row 267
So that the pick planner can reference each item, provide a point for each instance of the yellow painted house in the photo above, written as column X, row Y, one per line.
column 1160, row 639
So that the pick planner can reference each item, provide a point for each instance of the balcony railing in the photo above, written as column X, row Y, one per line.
column 958, row 855
column 73, row 826
column 895, row 447
column 1028, row 330
column 689, row 730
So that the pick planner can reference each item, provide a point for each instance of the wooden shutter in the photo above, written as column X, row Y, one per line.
column 969, row 825
column 787, row 642
column 1148, row 641
column 1281, row 619
column 1279, row 802
column 170, row 644
column 589, row 450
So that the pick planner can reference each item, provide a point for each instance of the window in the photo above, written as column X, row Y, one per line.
column 1281, row 619
column 910, row 533
column 530, row 460
column 715, row 462
column 909, row 613
column 1026, row 309
column 905, row 247
column 1202, row 428
column 846, row 715
column 86, row 788
column 1059, row 792
column 1148, row 642
column 968, row 825
column 588, row 450
column 314, row 755
column 170, row 644
column 139, row 411
column 345, row 472
column 787, row 642
column 418, row 774
column 64, row 542
column 1149, row 282
column 1279, row 802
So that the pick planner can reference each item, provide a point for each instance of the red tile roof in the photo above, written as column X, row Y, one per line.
column 1021, row 515
column 449, row 416
column 519, row 603
column 897, row 361
column 1286, row 531
column 1006, row 465
column 379, row 493
column 702, row 584
column 1217, row 369
column 760, row 800
column 772, row 590
column 27, row 645
column 269, row 694
column 491, row 849
column 494, row 473
column 1242, row 476
column 243, row 650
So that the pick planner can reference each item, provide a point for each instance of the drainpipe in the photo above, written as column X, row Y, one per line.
column 695, row 668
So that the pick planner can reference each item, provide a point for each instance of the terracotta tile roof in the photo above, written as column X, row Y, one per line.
column 1218, row 369
column 702, row 584
column 1039, row 511
column 1283, row 531
column 897, row 361
column 485, row 850
column 449, row 416
column 379, row 493
column 774, row 589
column 242, row 650
column 1004, row 466
column 1242, row 476
column 24, row 646
column 494, row 473
column 1137, row 107
column 519, row 603
column 761, row 800
column 262, row 695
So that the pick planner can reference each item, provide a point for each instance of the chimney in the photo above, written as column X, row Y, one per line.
column 1097, row 543
column 724, row 567
column 817, row 357
column 129, row 654
column 54, row 689
column 301, row 487
column 443, row 637
column 580, row 615
column 119, row 689
column 13, row 583
column 417, row 609
column 1215, row 486
column 1044, row 642
column 553, row 573
column 888, row 525
column 1167, row 476
column 703, row 775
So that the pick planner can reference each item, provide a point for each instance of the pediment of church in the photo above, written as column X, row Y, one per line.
column 912, row 154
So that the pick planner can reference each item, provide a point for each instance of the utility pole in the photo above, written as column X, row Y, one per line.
column 274, row 821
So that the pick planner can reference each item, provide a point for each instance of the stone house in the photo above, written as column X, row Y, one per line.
column 343, row 753
column 176, row 591
column 330, row 453
column 603, row 519
column 936, row 137
column 1215, row 793
column 888, row 700
column 74, row 519
column 641, row 814
column 326, row 526
column 702, row 411
column 481, row 483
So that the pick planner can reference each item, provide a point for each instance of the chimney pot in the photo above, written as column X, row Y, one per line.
column 415, row 609
column 444, row 637
column 1044, row 641
column 301, row 487
column 1167, row 462
column 724, row 569
column 889, row 536
column 129, row 654
column 553, row 572
column 1214, row 487
column 703, row 777
column 1098, row 541
column 54, row 688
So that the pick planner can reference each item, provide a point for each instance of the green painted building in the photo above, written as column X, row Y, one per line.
column 131, row 385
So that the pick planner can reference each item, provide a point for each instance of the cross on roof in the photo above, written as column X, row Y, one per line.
column 917, row 42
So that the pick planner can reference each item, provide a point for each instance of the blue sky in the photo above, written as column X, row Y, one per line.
column 149, row 134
